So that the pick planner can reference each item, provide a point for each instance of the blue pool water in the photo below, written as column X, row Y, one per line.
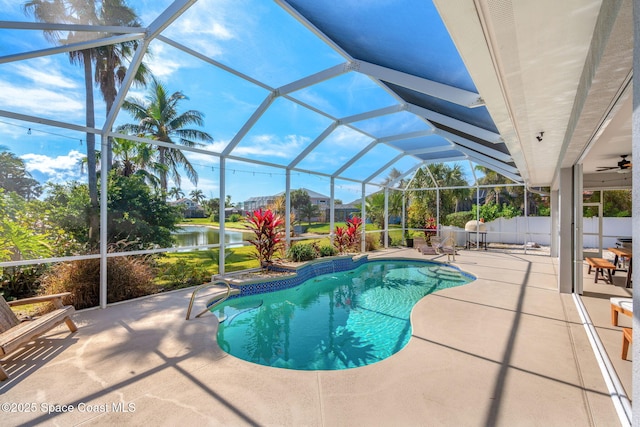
column 334, row 321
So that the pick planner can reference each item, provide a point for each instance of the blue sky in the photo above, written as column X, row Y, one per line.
column 256, row 38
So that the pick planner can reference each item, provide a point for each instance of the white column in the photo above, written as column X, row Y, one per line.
column 555, row 217
column 363, row 215
column 386, row 218
column 104, row 190
column 578, row 265
column 222, row 216
column 287, row 208
column 332, row 210
column 565, row 260
column 635, row 349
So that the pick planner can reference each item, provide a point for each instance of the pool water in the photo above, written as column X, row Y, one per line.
column 334, row 321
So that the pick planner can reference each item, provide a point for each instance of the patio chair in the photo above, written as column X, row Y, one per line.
column 627, row 338
column 620, row 305
column 444, row 246
column 14, row 332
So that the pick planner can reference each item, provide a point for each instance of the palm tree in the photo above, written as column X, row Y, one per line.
column 176, row 193
column 137, row 158
column 197, row 196
column 491, row 177
column 107, row 12
column 158, row 119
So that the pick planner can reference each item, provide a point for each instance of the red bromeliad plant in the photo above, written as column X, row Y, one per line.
column 348, row 237
column 267, row 228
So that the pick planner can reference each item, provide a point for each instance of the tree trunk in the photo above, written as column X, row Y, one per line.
column 92, row 177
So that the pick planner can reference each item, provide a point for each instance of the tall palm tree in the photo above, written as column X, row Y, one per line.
column 491, row 177
column 137, row 158
column 158, row 119
column 175, row 192
column 197, row 196
column 106, row 12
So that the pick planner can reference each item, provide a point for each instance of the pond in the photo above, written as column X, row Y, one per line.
column 195, row 235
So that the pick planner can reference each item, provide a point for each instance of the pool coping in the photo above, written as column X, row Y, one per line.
column 301, row 273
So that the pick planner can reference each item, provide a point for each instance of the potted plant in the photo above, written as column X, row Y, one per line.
column 408, row 238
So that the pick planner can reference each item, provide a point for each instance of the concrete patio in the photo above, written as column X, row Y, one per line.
column 506, row 349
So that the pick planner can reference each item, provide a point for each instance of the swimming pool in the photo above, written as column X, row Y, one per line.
column 333, row 321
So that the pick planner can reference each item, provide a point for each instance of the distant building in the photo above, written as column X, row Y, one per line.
column 316, row 198
column 191, row 209
column 344, row 211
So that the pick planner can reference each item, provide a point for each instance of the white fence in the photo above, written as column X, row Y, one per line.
column 537, row 229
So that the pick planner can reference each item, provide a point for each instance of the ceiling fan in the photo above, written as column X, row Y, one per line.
column 623, row 166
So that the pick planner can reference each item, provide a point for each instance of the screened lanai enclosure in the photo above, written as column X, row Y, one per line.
column 261, row 101
column 119, row 116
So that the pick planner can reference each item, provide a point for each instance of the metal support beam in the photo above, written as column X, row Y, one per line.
column 373, row 114
column 170, row 14
column 249, row 123
column 70, row 48
column 386, row 165
column 222, row 214
column 448, row 93
column 355, row 158
column 316, row 78
column 287, row 208
column 386, row 218
column 472, row 145
column 448, row 121
column 313, row 145
column 363, row 215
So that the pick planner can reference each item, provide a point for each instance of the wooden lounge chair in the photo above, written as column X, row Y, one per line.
column 620, row 305
column 15, row 333
column 627, row 338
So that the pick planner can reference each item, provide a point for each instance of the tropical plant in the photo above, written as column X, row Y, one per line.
column 267, row 229
column 159, row 119
column 302, row 252
column 15, row 177
column 299, row 199
column 110, row 65
column 348, row 238
column 137, row 215
column 175, row 192
column 309, row 211
column 422, row 203
column 197, row 196
column 327, row 250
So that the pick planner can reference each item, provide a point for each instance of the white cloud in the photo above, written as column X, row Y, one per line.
column 38, row 101
column 265, row 146
column 162, row 63
column 58, row 169
column 44, row 72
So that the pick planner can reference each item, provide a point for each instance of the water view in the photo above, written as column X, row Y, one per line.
column 195, row 235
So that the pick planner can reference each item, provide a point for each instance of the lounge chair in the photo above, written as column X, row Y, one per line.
column 14, row 333
column 444, row 246
column 620, row 305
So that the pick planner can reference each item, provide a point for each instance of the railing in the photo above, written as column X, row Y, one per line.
column 213, row 301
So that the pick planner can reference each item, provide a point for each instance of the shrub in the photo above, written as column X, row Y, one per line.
column 182, row 275
column 327, row 250
column 459, row 219
column 128, row 277
column 302, row 252
column 234, row 218
column 21, row 282
column 371, row 242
